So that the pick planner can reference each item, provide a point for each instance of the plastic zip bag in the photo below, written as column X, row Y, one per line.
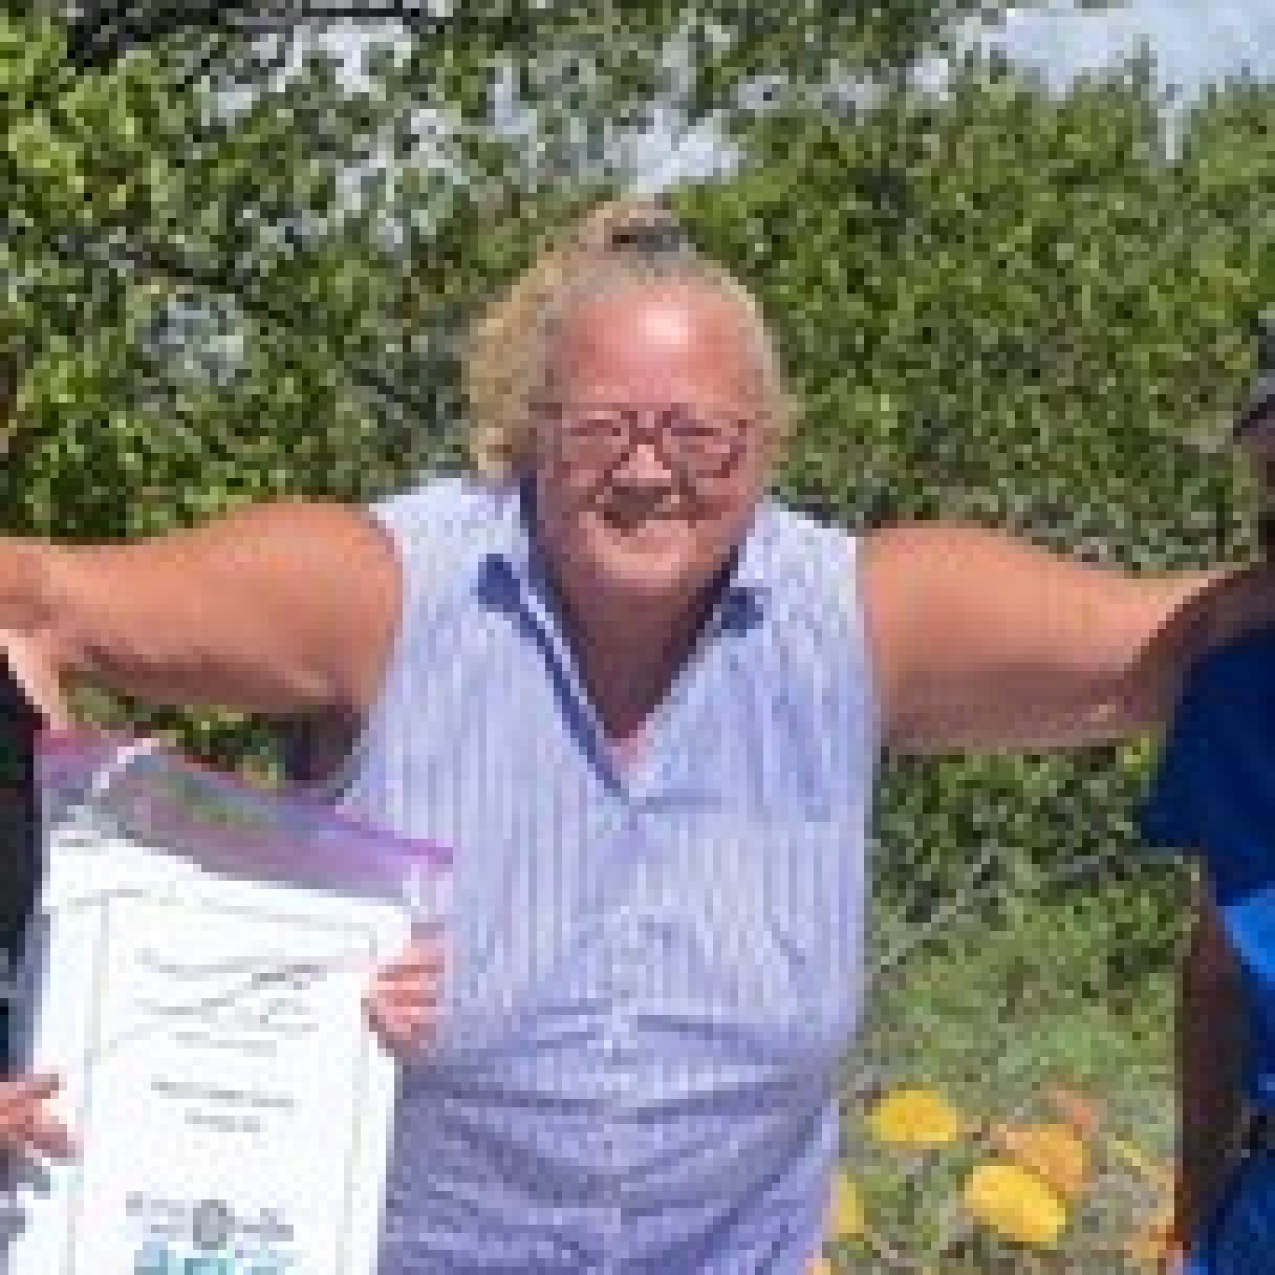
column 97, row 792
column 150, row 823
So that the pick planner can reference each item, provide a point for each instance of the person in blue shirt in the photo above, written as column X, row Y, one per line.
column 1212, row 795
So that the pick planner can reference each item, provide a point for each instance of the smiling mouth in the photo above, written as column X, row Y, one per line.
column 638, row 520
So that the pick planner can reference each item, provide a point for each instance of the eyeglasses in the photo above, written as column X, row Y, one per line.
column 697, row 444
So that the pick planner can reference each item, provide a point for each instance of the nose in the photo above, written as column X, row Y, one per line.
column 644, row 467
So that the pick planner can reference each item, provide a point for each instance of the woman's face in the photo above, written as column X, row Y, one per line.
column 650, row 453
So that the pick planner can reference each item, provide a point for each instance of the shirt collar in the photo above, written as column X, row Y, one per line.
column 516, row 559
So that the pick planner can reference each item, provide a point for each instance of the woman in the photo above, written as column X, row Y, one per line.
column 644, row 704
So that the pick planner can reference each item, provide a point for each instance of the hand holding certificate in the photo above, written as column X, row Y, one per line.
column 196, row 970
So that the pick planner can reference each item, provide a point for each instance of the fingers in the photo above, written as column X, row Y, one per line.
column 17, row 1095
column 50, row 1137
column 394, row 995
column 401, row 1029
column 402, row 1002
column 413, row 978
column 36, row 671
column 423, row 956
column 397, row 982
column 398, row 1003
column 26, row 1124
column 402, row 1026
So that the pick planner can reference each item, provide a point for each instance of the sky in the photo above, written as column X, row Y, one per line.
column 1194, row 42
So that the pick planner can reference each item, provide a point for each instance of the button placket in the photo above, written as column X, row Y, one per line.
column 624, row 970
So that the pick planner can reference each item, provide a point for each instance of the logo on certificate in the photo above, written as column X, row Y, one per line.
column 211, row 1225
column 207, row 1238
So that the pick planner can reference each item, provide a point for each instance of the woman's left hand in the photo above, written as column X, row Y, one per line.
column 402, row 1002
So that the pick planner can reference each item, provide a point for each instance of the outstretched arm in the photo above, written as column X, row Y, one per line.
column 984, row 641
column 280, row 608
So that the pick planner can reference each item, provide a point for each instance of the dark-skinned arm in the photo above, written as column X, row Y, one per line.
column 1210, row 1056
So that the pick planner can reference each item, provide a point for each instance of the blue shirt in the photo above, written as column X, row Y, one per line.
column 1214, row 795
column 652, row 974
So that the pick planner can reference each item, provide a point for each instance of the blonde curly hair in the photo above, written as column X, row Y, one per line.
column 508, row 353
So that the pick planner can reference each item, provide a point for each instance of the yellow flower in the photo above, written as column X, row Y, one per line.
column 915, row 1118
column 1016, row 1203
column 1051, row 1151
column 849, row 1219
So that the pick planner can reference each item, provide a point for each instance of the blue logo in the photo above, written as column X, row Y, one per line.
column 208, row 1266
column 151, row 1259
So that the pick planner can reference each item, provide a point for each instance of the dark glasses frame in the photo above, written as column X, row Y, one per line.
column 628, row 425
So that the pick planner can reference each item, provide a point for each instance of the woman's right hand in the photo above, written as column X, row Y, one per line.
column 26, row 1125
column 402, row 1001
column 34, row 663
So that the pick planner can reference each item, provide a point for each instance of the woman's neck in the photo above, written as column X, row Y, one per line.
column 629, row 667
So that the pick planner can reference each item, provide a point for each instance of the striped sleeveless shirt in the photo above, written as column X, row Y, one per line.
column 652, row 972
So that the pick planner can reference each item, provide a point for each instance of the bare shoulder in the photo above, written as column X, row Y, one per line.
column 344, row 565
column 272, row 606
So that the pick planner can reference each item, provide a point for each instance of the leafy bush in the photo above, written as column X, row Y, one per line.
column 998, row 304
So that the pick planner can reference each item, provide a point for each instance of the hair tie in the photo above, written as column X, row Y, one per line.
column 652, row 238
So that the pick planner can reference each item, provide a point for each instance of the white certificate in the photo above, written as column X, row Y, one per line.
column 233, row 1108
